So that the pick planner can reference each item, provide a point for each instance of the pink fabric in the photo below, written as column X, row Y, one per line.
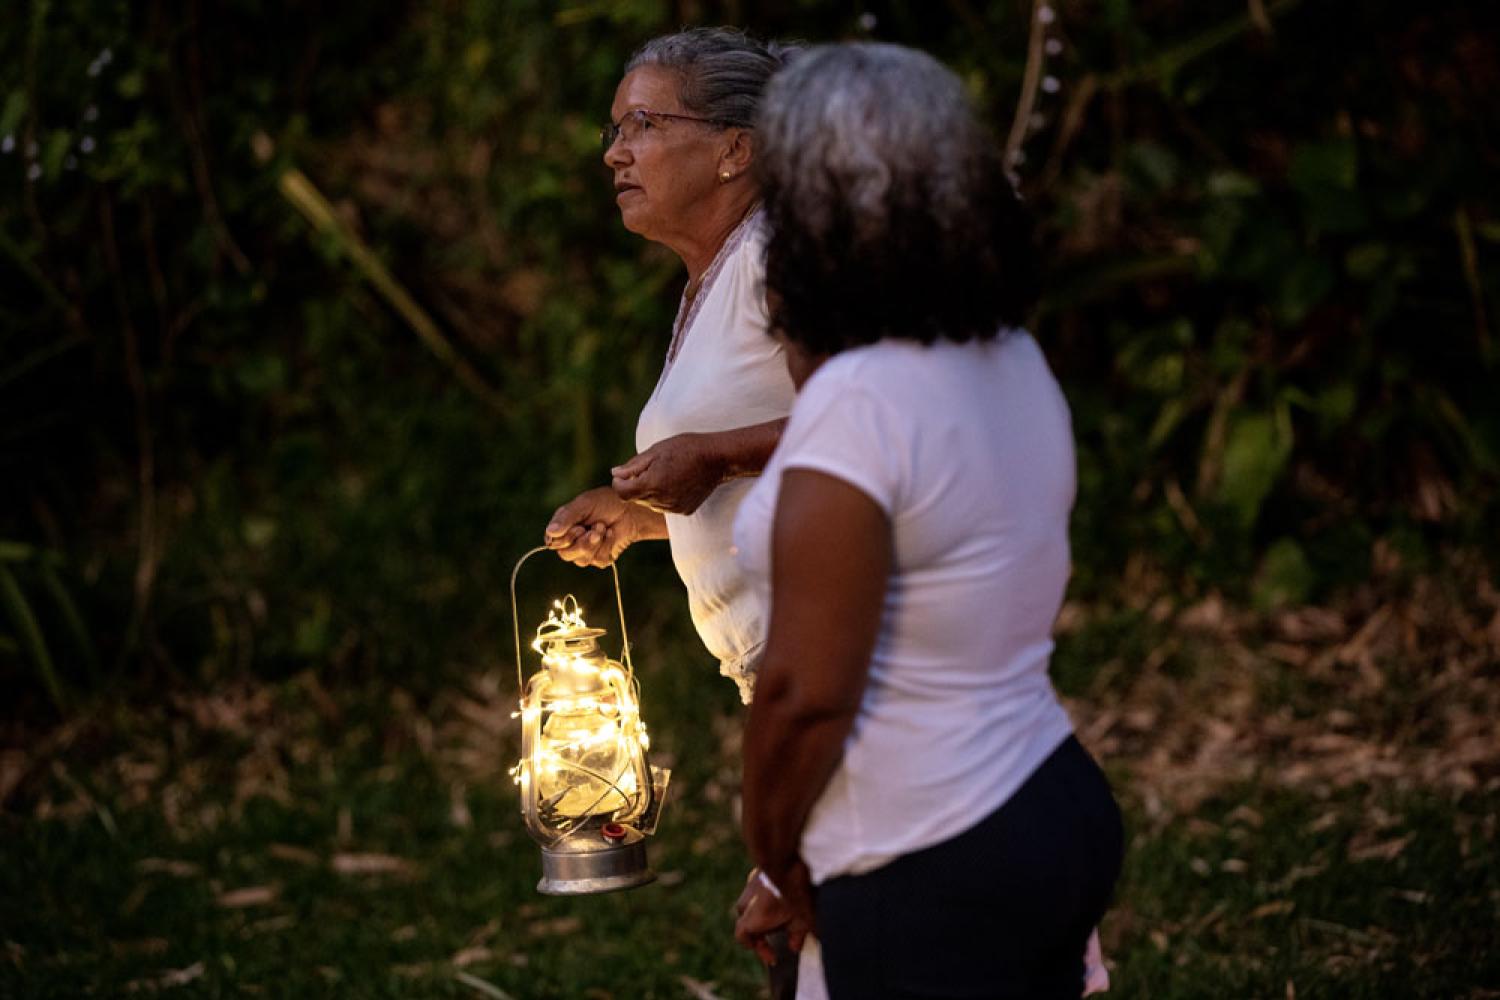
column 1095, row 975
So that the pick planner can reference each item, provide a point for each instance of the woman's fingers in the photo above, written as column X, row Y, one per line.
column 637, row 488
column 587, row 545
column 591, row 529
column 757, row 943
column 563, row 538
column 593, row 507
column 755, row 940
column 633, row 467
column 655, row 490
column 760, row 913
column 673, row 476
column 747, row 894
column 604, row 550
column 565, row 524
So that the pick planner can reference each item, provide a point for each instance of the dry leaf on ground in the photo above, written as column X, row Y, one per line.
column 295, row 854
column 555, row 927
column 167, row 866
column 471, row 955
column 1387, row 850
column 251, row 895
column 372, row 864
column 698, row 989
column 168, row 979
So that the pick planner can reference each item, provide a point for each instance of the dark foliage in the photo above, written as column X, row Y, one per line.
column 232, row 441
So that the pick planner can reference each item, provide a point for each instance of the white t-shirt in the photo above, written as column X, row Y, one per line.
column 968, row 449
column 727, row 373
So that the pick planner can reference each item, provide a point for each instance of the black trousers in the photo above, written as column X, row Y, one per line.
column 1002, row 911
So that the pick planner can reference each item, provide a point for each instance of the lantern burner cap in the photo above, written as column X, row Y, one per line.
column 586, row 862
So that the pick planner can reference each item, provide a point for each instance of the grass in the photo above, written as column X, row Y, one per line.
column 1272, row 895
column 279, row 840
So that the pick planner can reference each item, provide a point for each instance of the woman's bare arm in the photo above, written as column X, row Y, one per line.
column 830, row 558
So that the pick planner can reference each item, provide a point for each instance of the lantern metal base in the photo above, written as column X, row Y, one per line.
column 584, row 862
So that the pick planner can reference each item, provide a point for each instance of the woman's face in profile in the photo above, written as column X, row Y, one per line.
column 663, row 167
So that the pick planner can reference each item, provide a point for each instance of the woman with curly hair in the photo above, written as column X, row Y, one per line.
column 912, row 785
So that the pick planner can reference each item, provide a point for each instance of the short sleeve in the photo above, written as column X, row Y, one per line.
column 847, row 431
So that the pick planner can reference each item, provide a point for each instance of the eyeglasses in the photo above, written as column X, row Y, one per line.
column 633, row 124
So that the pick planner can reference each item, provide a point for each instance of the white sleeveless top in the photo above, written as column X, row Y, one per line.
column 723, row 371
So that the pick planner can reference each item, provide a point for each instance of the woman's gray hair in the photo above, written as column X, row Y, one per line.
column 724, row 71
column 857, row 127
column 888, row 211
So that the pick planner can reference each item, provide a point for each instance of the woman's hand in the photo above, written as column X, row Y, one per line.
column 594, row 527
column 673, row 476
column 759, row 912
column 677, row 474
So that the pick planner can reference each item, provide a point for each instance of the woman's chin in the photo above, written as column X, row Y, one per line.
column 635, row 220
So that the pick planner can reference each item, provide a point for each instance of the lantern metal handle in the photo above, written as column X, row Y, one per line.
column 515, row 618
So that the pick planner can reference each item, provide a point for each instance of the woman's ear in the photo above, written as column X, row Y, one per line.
column 736, row 152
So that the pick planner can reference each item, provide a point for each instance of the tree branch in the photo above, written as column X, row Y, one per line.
column 1030, row 85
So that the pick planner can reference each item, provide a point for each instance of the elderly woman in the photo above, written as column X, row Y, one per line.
column 912, row 786
column 681, row 145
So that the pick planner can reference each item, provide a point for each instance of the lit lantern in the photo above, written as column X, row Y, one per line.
column 588, row 796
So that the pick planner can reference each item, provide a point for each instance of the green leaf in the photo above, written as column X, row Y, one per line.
column 12, row 113
column 67, row 609
column 1231, row 345
column 262, row 374
column 1232, row 184
column 1117, row 14
column 1303, row 285
column 29, row 633
column 1152, row 168
column 15, row 552
column 132, row 84
column 1149, row 363
column 1335, row 403
column 1255, row 454
column 1332, row 163
column 1326, row 175
column 1167, row 421
column 55, row 150
column 313, row 635
column 1285, row 577
column 1365, row 261
column 259, row 531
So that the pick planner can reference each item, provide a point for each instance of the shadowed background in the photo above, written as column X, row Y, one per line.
column 309, row 317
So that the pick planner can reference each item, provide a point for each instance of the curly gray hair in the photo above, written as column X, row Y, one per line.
column 724, row 71
column 854, row 126
column 889, row 210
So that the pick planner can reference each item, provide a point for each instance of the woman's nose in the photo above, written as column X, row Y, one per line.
column 617, row 155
